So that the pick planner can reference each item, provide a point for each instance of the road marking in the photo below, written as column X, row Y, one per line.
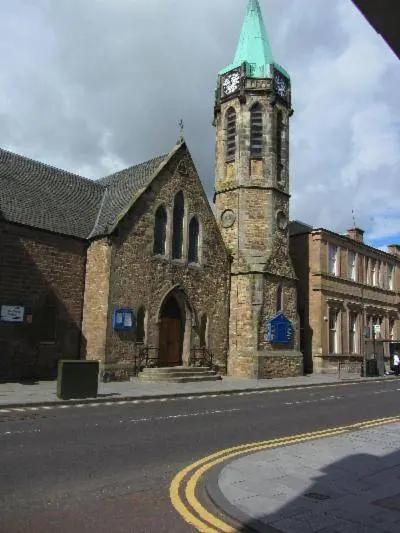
column 304, row 402
column 184, row 484
column 19, row 432
column 181, row 415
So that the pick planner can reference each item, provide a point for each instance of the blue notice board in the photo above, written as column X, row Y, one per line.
column 124, row 319
column 280, row 330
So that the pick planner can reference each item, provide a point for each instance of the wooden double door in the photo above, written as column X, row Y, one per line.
column 171, row 334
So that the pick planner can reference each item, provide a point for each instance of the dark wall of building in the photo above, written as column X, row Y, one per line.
column 300, row 254
column 45, row 274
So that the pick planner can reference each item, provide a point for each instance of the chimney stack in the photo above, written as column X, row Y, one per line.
column 394, row 249
column 356, row 234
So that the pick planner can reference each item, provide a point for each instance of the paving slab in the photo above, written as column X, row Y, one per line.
column 346, row 483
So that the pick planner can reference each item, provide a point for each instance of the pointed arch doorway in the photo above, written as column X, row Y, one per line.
column 171, row 333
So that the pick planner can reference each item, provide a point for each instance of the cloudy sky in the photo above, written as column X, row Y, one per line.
column 93, row 86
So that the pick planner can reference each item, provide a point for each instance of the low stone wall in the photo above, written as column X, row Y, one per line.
column 119, row 371
column 286, row 365
column 329, row 364
column 267, row 365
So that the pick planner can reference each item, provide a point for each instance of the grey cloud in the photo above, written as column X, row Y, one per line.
column 85, row 81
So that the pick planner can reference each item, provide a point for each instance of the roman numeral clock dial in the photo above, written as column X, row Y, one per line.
column 230, row 83
column 281, row 86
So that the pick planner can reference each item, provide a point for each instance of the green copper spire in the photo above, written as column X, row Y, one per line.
column 253, row 46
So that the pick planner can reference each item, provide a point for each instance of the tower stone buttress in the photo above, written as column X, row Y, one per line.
column 251, row 116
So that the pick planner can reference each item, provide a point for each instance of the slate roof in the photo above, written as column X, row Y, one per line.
column 45, row 197
column 120, row 189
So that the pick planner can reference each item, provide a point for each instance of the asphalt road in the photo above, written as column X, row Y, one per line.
column 108, row 468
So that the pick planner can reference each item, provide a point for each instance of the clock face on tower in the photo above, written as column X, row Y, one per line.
column 281, row 85
column 230, row 83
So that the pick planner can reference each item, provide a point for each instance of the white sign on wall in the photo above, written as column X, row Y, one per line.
column 12, row 313
column 377, row 329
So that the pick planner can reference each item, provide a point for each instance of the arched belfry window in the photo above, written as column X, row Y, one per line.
column 194, row 234
column 279, row 135
column 256, row 131
column 177, row 229
column 160, row 231
column 140, row 325
column 230, row 134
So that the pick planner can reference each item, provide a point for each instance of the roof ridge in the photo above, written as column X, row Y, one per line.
column 50, row 167
column 108, row 176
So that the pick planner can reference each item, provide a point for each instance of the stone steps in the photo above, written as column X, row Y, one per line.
column 179, row 374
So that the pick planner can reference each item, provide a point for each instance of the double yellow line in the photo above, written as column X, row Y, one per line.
column 183, row 487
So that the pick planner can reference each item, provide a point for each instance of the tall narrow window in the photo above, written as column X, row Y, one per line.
column 279, row 133
column 177, row 234
column 351, row 266
column 374, row 273
column 230, row 134
column 353, row 337
column 193, row 253
column 390, row 274
column 333, row 260
column 382, row 281
column 333, row 331
column 279, row 298
column 377, row 327
column 391, row 329
column 140, row 328
column 256, row 131
column 160, row 231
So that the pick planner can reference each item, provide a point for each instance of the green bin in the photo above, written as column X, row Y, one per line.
column 77, row 379
column 370, row 368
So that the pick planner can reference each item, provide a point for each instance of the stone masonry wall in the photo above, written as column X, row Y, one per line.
column 96, row 309
column 138, row 278
column 40, row 271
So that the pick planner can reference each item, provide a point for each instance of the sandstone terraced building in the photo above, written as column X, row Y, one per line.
column 348, row 293
column 136, row 268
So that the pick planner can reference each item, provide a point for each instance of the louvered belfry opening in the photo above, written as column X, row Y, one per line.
column 256, row 131
column 230, row 134
column 279, row 132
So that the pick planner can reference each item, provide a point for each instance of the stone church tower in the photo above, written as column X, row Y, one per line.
column 251, row 116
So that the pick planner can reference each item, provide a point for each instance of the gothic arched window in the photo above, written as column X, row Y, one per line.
column 279, row 298
column 256, row 131
column 279, row 135
column 194, row 233
column 230, row 134
column 177, row 229
column 160, row 231
column 140, row 325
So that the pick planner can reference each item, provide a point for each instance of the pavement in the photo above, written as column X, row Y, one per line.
column 44, row 392
column 345, row 483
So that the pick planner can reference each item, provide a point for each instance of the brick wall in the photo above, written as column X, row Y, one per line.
column 40, row 271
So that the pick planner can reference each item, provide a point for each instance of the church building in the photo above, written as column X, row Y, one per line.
column 137, row 270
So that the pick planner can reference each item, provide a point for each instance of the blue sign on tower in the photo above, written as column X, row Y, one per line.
column 280, row 330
